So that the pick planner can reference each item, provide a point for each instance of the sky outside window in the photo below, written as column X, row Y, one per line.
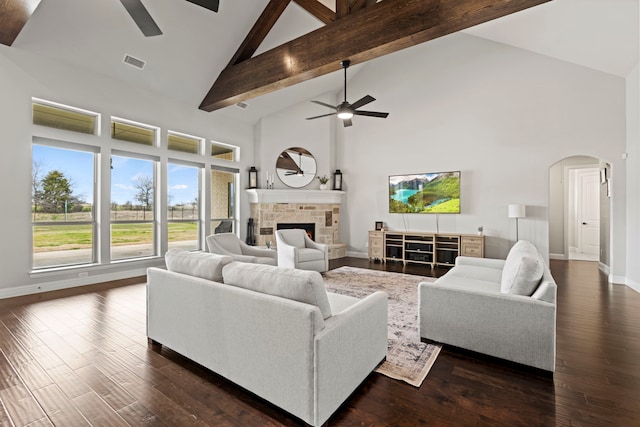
column 76, row 166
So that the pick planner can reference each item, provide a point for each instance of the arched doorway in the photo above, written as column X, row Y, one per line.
column 579, row 206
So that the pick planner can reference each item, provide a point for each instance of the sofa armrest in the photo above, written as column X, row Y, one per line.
column 257, row 252
column 512, row 327
column 350, row 346
column 315, row 245
column 287, row 255
column 498, row 264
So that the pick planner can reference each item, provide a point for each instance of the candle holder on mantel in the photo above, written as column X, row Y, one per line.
column 337, row 180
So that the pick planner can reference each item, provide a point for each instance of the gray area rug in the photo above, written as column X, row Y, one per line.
column 408, row 359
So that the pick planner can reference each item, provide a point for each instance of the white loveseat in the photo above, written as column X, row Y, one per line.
column 503, row 308
column 274, row 331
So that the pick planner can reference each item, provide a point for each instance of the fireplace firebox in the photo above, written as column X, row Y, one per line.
column 309, row 227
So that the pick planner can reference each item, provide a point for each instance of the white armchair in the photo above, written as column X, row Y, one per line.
column 297, row 250
column 229, row 244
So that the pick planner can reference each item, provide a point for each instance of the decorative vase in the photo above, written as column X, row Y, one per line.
column 323, row 186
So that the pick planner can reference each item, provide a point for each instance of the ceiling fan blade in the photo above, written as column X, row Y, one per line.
column 324, row 115
column 362, row 101
column 371, row 114
column 323, row 104
column 347, row 123
column 207, row 4
column 141, row 17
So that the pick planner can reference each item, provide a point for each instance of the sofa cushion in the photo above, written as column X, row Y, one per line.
column 298, row 285
column 469, row 284
column 294, row 237
column 476, row 272
column 309, row 254
column 526, row 278
column 522, row 270
column 199, row 264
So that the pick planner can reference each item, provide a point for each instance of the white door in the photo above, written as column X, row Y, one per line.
column 588, row 212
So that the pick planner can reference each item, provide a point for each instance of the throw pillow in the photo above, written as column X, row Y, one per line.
column 524, row 279
column 199, row 264
column 511, row 266
column 298, row 285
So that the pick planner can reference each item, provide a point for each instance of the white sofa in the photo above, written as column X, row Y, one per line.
column 503, row 308
column 274, row 331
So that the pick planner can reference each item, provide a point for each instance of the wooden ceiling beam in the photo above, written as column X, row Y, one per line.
column 380, row 29
column 260, row 29
column 14, row 15
column 317, row 9
column 342, row 8
column 357, row 5
column 361, row 4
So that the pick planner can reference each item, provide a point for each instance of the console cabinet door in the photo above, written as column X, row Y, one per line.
column 472, row 246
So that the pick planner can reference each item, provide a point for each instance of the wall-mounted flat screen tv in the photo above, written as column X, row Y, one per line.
column 429, row 193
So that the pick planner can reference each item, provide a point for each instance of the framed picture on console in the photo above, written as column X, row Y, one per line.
column 378, row 225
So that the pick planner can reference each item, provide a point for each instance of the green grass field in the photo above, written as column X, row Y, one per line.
column 80, row 236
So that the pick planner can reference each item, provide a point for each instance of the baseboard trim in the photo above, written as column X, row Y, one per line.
column 633, row 285
column 618, row 280
column 19, row 291
column 358, row 254
column 604, row 268
column 561, row 257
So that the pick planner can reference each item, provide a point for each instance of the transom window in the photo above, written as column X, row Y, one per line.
column 64, row 117
column 137, row 133
column 224, row 151
column 184, row 143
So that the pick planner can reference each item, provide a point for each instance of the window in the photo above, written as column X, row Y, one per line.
column 223, row 151
column 137, row 133
column 133, row 220
column 62, row 200
column 183, row 207
column 223, row 195
column 184, row 143
column 59, row 116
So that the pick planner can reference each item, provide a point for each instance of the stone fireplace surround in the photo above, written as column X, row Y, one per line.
column 320, row 207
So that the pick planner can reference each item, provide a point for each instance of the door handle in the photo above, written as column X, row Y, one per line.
column 584, row 223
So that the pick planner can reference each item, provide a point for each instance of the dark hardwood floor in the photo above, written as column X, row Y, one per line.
column 80, row 357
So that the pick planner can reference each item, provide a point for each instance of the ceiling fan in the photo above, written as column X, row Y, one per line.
column 346, row 111
column 145, row 22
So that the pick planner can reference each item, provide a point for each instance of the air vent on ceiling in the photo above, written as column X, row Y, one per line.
column 242, row 105
column 133, row 61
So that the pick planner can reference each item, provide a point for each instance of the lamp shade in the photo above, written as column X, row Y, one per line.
column 517, row 211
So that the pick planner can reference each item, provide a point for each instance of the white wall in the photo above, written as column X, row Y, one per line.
column 500, row 115
column 633, row 178
column 23, row 76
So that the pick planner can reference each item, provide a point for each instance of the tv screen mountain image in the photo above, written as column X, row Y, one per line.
column 430, row 193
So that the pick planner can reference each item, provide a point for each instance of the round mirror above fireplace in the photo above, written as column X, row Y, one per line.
column 296, row 167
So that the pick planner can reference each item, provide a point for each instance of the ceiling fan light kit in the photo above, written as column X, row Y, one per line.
column 345, row 110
